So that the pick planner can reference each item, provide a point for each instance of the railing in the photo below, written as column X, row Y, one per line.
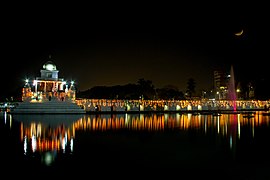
column 115, row 105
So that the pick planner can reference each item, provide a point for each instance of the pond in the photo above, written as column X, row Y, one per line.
column 136, row 145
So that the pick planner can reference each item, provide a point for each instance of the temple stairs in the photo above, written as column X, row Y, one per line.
column 48, row 107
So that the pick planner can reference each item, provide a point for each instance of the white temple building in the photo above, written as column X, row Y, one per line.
column 48, row 93
column 48, row 86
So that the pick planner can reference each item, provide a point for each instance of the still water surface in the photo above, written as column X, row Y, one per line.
column 127, row 145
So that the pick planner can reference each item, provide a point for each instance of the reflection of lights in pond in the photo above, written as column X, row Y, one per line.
column 48, row 158
column 25, row 144
column 230, row 141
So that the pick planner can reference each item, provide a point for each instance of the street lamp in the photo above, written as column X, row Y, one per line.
column 238, row 92
column 218, row 95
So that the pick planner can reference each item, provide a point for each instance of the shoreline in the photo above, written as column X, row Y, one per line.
column 203, row 112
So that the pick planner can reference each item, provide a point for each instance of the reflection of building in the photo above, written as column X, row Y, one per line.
column 48, row 134
column 46, row 140
column 48, row 86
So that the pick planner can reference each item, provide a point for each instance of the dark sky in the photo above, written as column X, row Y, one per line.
column 94, row 45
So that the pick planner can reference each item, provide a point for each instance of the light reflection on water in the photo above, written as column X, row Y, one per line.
column 171, row 139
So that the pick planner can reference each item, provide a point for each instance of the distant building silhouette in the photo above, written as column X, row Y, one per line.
column 220, row 84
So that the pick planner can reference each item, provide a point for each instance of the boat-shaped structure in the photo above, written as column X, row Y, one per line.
column 47, row 107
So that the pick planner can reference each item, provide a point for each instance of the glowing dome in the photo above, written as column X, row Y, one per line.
column 49, row 65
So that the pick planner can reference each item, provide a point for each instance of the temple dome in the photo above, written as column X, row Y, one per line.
column 50, row 66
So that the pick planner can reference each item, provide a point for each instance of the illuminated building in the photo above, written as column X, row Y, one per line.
column 48, row 86
column 48, row 94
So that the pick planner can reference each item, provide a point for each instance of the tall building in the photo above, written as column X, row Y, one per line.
column 220, row 84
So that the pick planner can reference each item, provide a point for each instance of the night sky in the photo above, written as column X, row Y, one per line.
column 98, row 46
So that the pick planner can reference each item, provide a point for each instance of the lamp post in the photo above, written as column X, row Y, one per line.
column 238, row 91
column 218, row 95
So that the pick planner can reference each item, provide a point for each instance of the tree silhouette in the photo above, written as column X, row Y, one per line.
column 146, row 89
column 191, row 85
column 169, row 93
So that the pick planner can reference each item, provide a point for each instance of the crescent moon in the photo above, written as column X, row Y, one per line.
column 239, row 33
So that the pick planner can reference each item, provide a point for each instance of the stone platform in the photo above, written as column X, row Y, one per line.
column 48, row 107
